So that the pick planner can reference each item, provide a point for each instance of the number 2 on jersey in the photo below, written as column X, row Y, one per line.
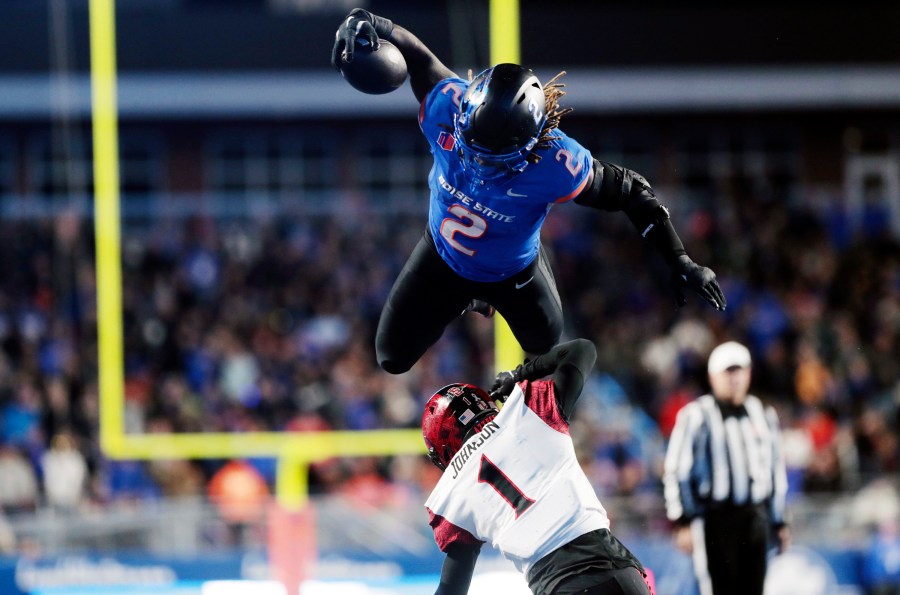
column 474, row 229
column 490, row 474
column 571, row 164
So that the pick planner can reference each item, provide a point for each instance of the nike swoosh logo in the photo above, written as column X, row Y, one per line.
column 521, row 285
column 515, row 194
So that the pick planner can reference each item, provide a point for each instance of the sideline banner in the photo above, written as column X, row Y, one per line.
column 100, row 573
column 23, row 576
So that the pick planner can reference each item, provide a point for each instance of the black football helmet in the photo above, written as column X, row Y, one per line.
column 450, row 417
column 499, row 121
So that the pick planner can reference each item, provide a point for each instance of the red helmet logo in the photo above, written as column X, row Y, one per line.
column 451, row 414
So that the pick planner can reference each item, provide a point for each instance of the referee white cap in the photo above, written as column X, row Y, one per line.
column 728, row 355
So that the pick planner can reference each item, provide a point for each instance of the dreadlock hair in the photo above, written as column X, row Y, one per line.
column 552, row 94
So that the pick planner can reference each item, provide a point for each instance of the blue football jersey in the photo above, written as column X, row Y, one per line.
column 489, row 232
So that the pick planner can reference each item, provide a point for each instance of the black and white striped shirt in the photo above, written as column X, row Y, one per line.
column 720, row 454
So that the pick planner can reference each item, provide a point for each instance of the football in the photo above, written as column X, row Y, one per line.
column 375, row 71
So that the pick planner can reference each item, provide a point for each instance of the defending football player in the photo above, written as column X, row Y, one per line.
column 500, row 164
column 511, row 478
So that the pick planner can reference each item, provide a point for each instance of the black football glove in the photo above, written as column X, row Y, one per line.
column 702, row 280
column 360, row 26
column 506, row 381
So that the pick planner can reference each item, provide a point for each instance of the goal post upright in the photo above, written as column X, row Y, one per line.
column 504, row 46
column 294, row 450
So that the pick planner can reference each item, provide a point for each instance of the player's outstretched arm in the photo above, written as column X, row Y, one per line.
column 456, row 573
column 569, row 362
column 425, row 69
column 616, row 188
column 573, row 362
column 361, row 26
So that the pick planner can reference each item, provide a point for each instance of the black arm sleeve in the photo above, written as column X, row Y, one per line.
column 616, row 188
column 425, row 69
column 456, row 573
column 570, row 363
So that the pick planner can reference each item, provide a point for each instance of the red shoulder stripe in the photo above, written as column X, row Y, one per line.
column 446, row 533
column 541, row 398
column 575, row 192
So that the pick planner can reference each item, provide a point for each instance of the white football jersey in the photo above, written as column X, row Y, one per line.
column 517, row 484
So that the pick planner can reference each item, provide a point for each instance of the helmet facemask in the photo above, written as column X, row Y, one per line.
column 486, row 166
column 499, row 122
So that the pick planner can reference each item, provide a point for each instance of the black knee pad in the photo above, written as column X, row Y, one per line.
column 393, row 366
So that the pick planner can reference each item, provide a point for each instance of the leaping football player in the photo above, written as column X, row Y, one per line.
column 500, row 163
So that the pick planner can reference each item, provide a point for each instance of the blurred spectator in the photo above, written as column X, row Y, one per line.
column 7, row 537
column 823, row 472
column 877, row 507
column 65, row 473
column 128, row 480
column 20, row 418
column 19, row 487
column 813, row 381
column 177, row 478
column 241, row 495
column 239, row 491
column 876, row 504
column 59, row 414
column 369, row 486
column 881, row 560
column 798, row 452
column 876, row 441
column 239, row 371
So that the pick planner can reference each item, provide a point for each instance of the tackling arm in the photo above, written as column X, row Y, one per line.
column 456, row 573
column 569, row 362
column 425, row 69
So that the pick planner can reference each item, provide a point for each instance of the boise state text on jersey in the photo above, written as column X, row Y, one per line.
column 491, row 231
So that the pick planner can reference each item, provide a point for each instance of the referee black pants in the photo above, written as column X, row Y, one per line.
column 428, row 295
column 730, row 551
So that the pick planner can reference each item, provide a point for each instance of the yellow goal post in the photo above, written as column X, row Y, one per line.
column 293, row 451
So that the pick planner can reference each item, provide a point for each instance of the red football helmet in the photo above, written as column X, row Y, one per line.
column 450, row 416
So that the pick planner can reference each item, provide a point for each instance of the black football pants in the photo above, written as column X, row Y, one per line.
column 734, row 544
column 621, row 581
column 428, row 295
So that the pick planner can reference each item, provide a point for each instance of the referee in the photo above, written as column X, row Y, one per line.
column 725, row 480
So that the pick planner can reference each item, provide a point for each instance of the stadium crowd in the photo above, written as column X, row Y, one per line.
column 268, row 325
